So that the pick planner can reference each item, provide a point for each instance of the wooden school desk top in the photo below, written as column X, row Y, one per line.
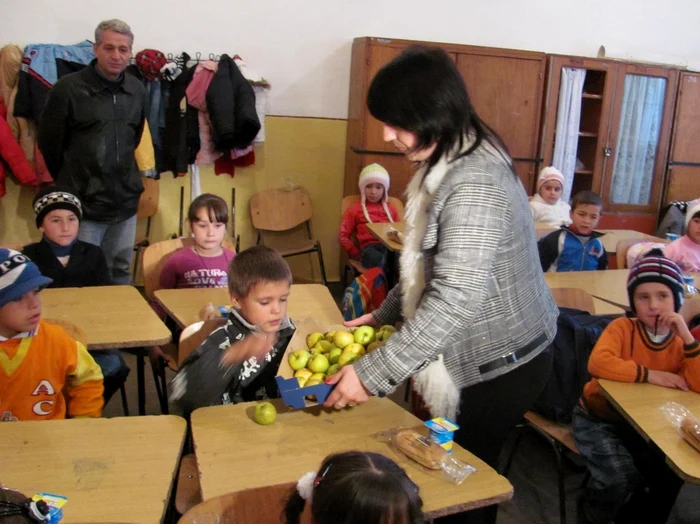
column 640, row 403
column 111, row 470
column 305, row 300
column 110, row 316
column 380, row 229
column 610, row 239
column 235, row 453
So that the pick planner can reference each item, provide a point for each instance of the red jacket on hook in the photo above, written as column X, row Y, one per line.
column 12, row 154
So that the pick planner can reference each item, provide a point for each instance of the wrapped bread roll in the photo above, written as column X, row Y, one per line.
column 419, row 448
column 690, row 429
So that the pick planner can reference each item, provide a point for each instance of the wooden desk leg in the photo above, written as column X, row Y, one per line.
column 140, row 372
column 391, row 269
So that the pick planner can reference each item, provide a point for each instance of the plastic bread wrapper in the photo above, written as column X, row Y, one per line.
column 430, row 455
column 395, row 235
column 209, row 312
column 684, row 421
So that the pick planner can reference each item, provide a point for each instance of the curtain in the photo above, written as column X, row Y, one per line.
column 638, row 139
column 568, row 121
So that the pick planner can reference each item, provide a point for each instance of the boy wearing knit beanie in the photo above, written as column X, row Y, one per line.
column 547, row 206
column 70, row 262
column 654, row 345
column 374, row 207
column 685, row 251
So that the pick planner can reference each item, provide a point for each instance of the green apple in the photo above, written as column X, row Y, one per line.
column 319, row 364
column 312, row 339
column 315, row 351
column 346, row 358
column 302, row 376
column 334, row 355
column 374, row 345
column 355, row 348
column 365, row 335
column 385, row 332
column 323, row 345
column 333, row 370
column 314, row 382
column 329, row 335
column 343, row 338
column 318, row 376
column 302, row 381
column 265, row 414
column 299, row 359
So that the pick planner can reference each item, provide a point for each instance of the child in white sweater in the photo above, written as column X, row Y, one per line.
column 546, row 205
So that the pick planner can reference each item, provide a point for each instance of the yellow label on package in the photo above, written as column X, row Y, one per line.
column 442, row 432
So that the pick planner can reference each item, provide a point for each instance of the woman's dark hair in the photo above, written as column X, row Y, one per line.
column 357, row 486
column 422, row 91
column 215, row 205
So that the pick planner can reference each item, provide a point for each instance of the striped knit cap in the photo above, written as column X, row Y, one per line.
column 656, row 269
column 53, row 198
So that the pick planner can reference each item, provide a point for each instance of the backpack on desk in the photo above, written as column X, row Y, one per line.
column 365, row 294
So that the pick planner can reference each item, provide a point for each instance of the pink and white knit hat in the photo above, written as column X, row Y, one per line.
column 549, row 173
column 375, row 174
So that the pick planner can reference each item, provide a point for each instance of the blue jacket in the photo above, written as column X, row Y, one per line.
column 565, row 251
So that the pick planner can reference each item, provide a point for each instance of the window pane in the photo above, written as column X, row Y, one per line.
column 637, row 139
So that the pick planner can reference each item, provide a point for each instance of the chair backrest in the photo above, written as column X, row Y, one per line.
column 690, row 308
column 148, row 202
column 261, row 505
column 73, row 331
column 13, row 246
column 280, row 209
column 354, row 199
column 573, row 298
column 193, row 336
column 155, row 255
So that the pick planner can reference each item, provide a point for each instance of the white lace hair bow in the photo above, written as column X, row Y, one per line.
column 305, row 485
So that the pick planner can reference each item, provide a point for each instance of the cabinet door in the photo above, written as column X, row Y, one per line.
column 683, row 179
column 639, row 138
column 506, row 92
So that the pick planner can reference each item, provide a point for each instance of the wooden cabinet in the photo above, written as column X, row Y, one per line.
column 505, row 86
column 626, row 112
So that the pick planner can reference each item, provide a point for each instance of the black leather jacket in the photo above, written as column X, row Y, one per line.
column 88, row 133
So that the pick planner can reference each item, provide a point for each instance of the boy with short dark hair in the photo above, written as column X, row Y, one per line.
column 39, row 361
column 655, row 347
column 576, row 247
column 238, row 361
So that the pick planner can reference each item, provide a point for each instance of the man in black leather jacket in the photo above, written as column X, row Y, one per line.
column 89, row 130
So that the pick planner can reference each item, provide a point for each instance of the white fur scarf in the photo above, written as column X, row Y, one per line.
column 434, row 383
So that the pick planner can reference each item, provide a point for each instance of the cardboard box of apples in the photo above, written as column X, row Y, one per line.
column 317, row 352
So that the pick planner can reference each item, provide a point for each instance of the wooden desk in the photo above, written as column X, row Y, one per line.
column 305, row 300
column 110, row 316
column 640, row 403
column 111, row 470
column 234, row 453
column 379, row 231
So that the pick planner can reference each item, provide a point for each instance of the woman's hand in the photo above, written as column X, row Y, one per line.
column 365, row 320
column 254, row 345
column 677, row 325
column 349, row 390
column 667, row 380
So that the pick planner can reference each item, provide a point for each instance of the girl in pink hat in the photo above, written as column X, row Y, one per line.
column 547, row 206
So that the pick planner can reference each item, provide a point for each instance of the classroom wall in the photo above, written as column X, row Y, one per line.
column 303, row 50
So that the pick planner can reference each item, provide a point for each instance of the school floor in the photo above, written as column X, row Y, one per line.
column 533, row 473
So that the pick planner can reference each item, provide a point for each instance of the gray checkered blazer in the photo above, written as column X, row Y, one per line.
column 485, row 294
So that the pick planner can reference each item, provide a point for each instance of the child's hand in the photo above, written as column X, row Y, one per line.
column 254, row 345
column 677, row 325
column 667, row 380
column 365, row 320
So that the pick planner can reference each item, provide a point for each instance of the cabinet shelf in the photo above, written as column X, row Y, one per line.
column 592, row 96
column 587, row 135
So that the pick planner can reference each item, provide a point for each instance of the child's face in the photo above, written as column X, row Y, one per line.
column 693, row 231
column 550, row 191
column 585, row 218
column 60, row 226
column 652, row 299
column 20, row 315
column 265, row 305
column 208, row 233
column 374, row 192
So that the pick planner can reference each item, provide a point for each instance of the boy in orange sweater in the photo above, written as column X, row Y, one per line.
column 629, row 480
column 39, row 361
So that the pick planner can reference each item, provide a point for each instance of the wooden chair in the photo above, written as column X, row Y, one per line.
column 559, row 435
column 13, row 246
column 624, row 245
column 349, row 265
column 78, row 334
column 259, row 505
column 148, row 207
column 690, row 310
column 280, row 210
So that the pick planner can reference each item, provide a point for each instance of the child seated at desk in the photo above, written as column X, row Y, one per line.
column 576, row 247
column 685, row 251
column 374, row 207
column 628, row 480
column 547, row 206
column 356, row 486
column 71, row 262
column 39, row 362
column 238, row 361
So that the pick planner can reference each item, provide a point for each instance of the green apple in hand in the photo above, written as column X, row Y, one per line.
column 319, row 364
column 299, row 359
column 346, row 358
column 355, row 348
column 265, row 414
column 312, row 339
column 343, row 338
column 334, row 355
column 364, row 335
column 333, row 370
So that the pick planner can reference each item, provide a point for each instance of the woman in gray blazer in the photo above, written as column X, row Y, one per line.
column 478, row 316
